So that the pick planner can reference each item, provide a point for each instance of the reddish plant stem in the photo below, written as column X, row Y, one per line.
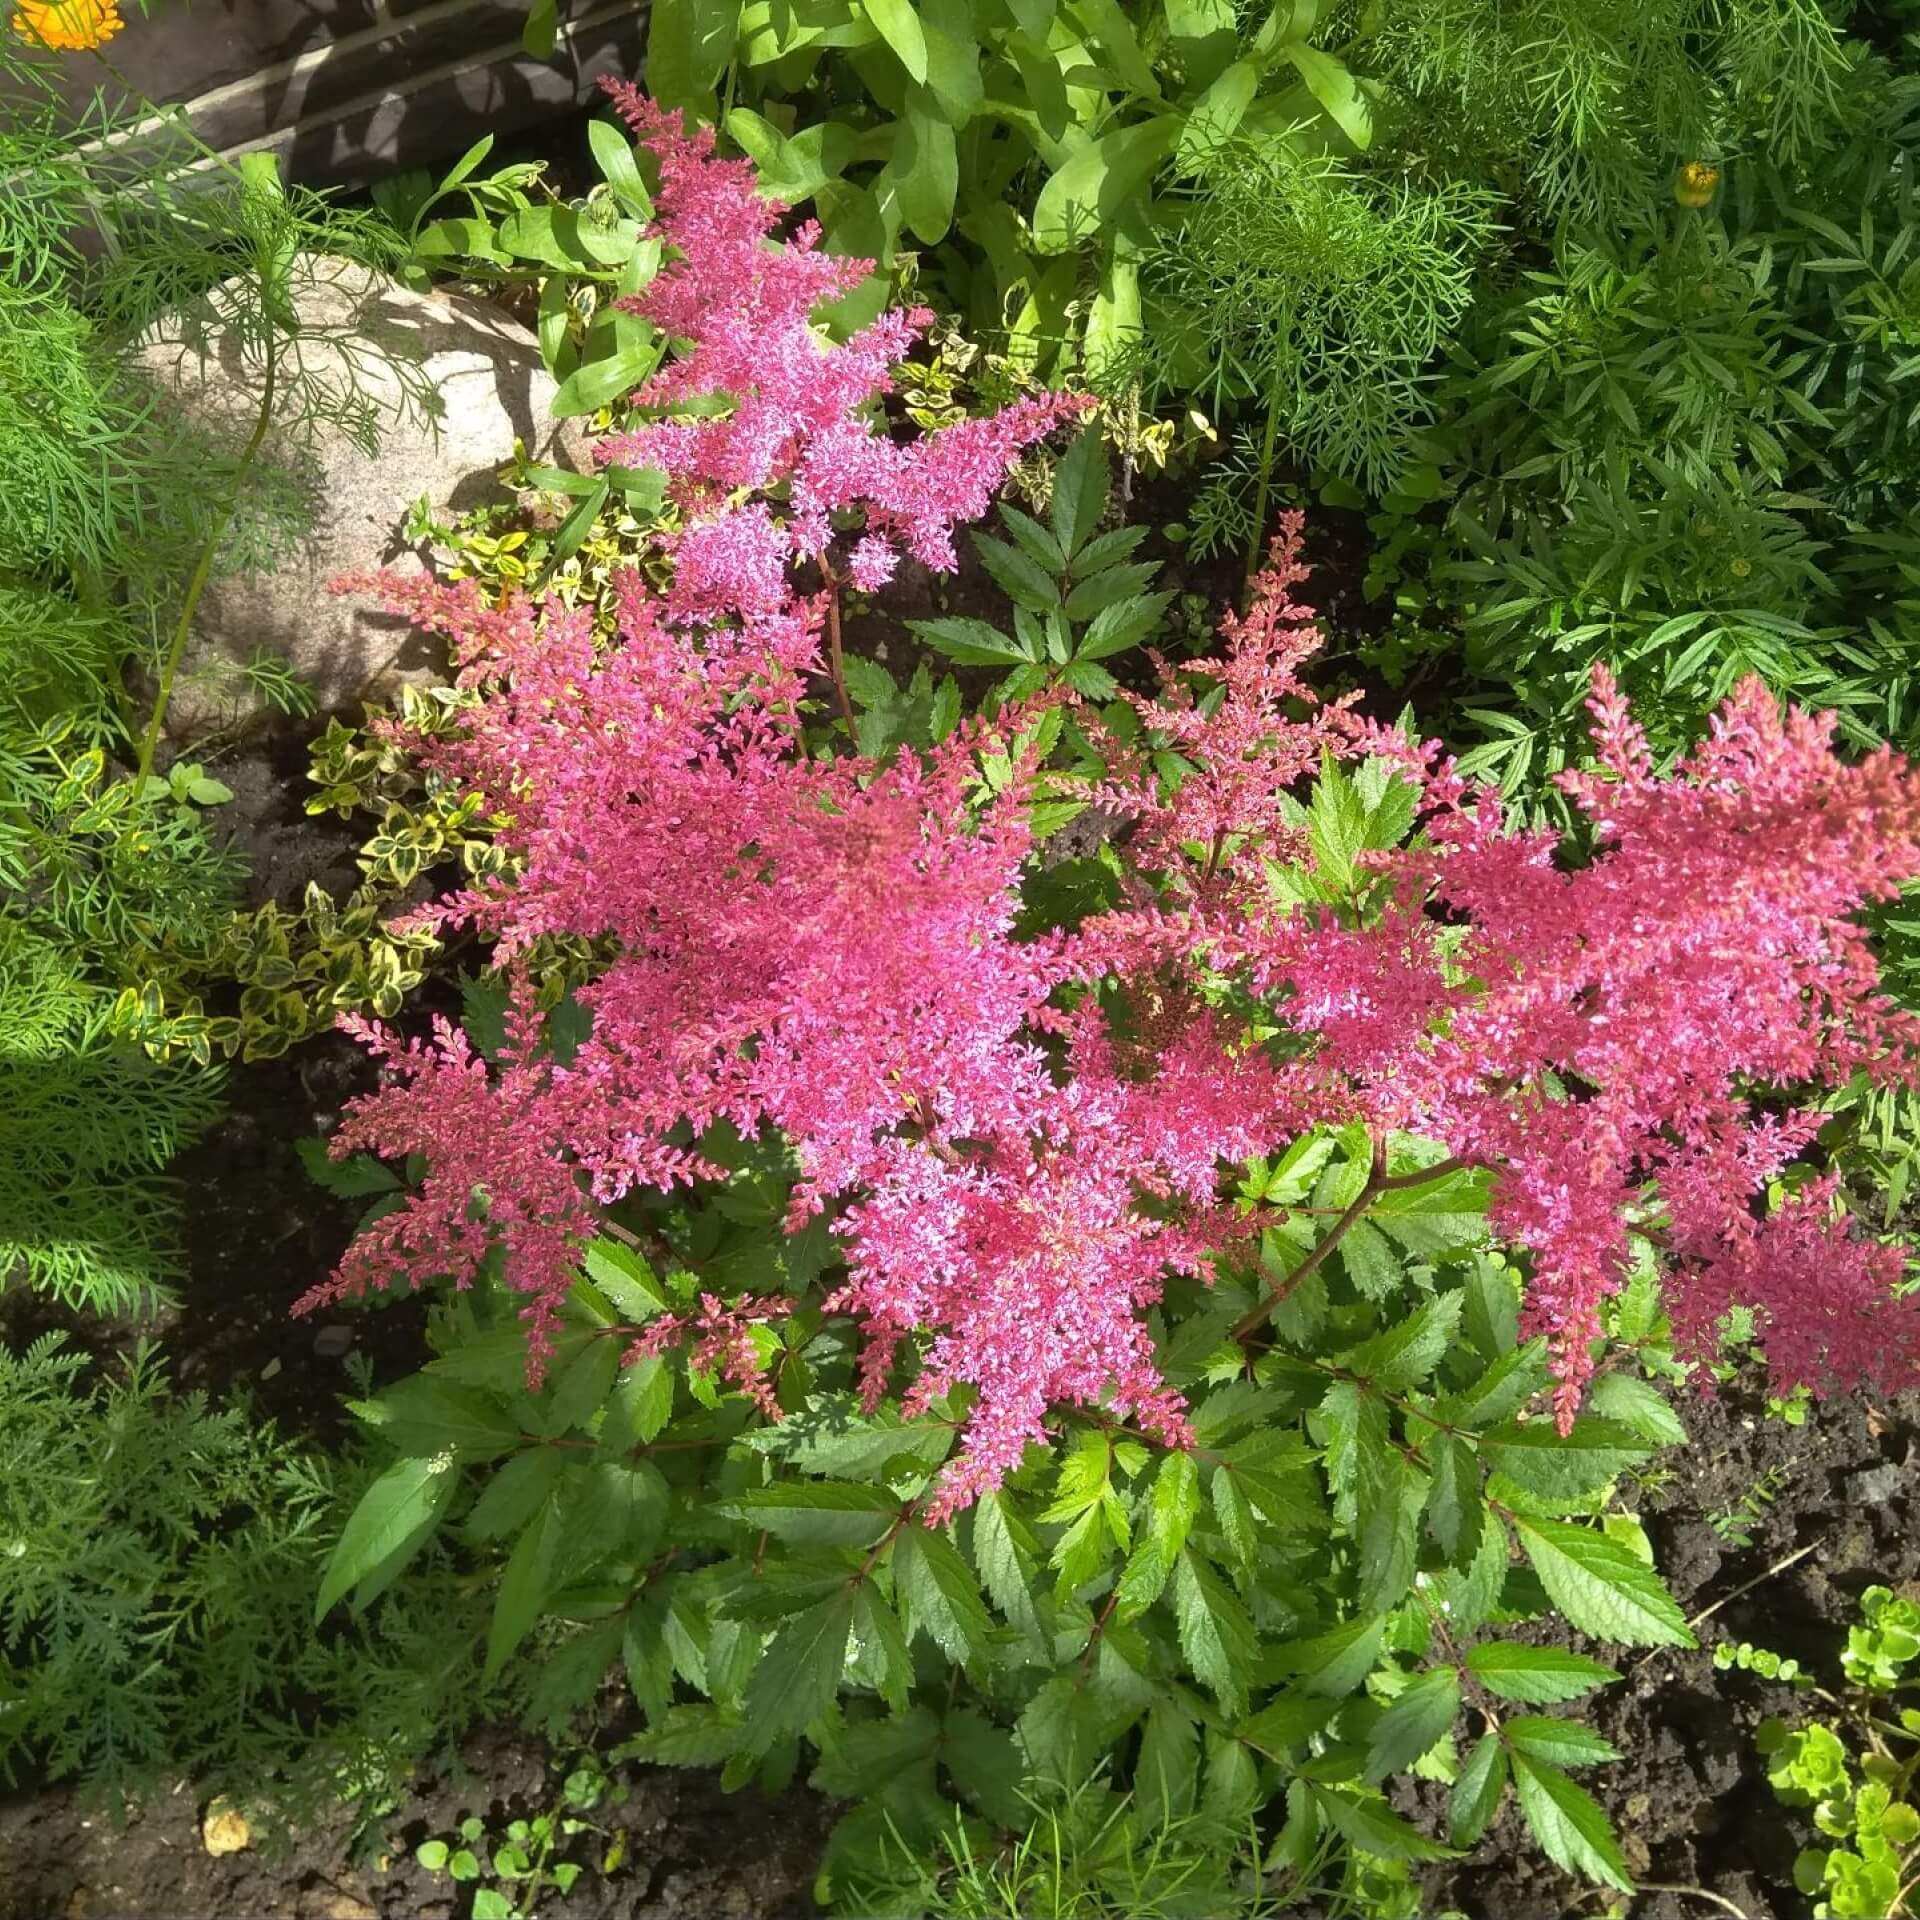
column 836, row 659
column 1379, row 1181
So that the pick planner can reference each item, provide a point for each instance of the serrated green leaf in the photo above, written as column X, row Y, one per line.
column 1215, row 1634
column 1006, row 1563
column 816, row 1513
column 1287, row 1721
column 1079, row 491
column 1536, row 1456
column 985, row 1763
column 1335, row 1662
column 394, row 1519
column 1639, row 1406
column 1561, row 1743
column 696, row 1735
column 514, row 1494
column 1415, row 1718
column 524, row 1587
column 1166, row 1772
column 799, row 1674
column 1172, row 1507
column 1403, row 1355
column 1601, row 1587
column 973, row 643
column 1501, row 1391
column 1537, row 1676
column 860, row 1757
column 937, row 1595
column 1569, row 1824
column 1474, row 1591
column 1373, row 1827
column 1454, row 1507
column 1477, row 1791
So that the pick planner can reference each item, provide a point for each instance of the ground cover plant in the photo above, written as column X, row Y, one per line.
column 863, row 1340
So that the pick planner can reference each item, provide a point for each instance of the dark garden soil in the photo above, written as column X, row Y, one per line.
column 1771, row 1531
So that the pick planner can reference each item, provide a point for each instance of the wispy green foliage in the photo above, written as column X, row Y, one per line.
column 156, row 1591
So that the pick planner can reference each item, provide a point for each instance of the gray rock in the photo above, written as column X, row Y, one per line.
column 440, row 385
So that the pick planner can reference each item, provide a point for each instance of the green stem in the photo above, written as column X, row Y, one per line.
column 203, row 566
column 1256, row 541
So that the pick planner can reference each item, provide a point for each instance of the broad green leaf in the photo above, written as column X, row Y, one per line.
column 1333, row 86
column 1539, row 1676
column 1477, row 1791
column 689, row 43
column 1372, row 1826
column 1215, row 1633
column 1536, row 1456
column 1638, row 1405
column 1405, row 1354
column 1231, row 1795
column 816, row 1513
column 1097, row 182
column 1006, row 1563
column 899, row 26
column 613, row 153
column 1567, row 1821
column 938, row 1595
column 425, row 1415
column 1369, row 1261
column 1079, row 491
column 1336, row 1662
column 595, row 383
column 394, row 1519
column 799, row 1674
column 924, row 173
column 524, row 1587
column 1601, row 1587
column 1215, row 117
column 1112, row 32
column 1171, row 1509
column 985, row 1764
column 1416, row 1717
column 1561, row 1743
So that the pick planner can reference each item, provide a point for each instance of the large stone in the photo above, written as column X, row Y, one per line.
column 445, row 384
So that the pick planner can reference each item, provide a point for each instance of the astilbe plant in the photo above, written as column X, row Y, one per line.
column 1020, row 1136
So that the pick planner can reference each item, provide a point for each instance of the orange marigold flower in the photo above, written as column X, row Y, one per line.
column 68, row 25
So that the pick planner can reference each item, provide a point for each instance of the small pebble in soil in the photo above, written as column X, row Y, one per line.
column 332, row 1342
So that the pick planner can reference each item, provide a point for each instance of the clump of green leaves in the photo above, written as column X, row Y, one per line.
column 1078, row 595
column 1315, row 1598
column 157, row 1565
column 1857, row 1770
column 527, row 1858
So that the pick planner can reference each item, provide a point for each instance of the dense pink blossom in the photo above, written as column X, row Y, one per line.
column 1018, row 1137
column 799, row 414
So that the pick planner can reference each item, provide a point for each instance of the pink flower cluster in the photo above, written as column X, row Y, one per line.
column 1019, row 1137
column 798, row 414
